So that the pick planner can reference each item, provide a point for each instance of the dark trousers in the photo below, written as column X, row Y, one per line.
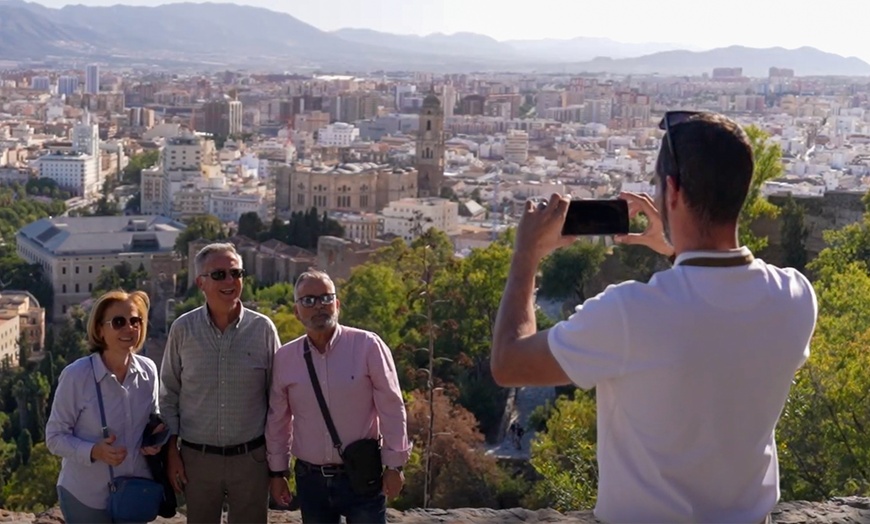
column 324, row 499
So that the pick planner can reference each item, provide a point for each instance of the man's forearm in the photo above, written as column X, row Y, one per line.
column 516, row 313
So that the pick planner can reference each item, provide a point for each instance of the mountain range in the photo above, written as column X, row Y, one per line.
column 220, row 35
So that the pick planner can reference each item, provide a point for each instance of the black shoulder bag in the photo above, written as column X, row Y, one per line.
column 362, row 458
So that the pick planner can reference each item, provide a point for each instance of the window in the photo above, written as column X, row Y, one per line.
column 300, row 200
column 77, row 288
column 90, row 269
column 428, row 125
column 90, row 286
column 364, row 201
column 63, row 271
column 77, row 270
column 63, row 289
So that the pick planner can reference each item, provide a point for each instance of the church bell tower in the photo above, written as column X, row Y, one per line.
column 430, row 148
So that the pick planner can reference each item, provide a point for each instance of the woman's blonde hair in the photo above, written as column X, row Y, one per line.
column 138, row 298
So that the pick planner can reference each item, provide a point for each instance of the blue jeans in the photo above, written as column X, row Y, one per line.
column 323, row 500
column 75, row 512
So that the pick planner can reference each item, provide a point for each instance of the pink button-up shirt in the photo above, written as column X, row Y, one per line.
column 361, row 388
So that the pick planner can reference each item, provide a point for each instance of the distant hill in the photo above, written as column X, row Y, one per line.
column 806, row 61
column 584, row 48
column 229, row 35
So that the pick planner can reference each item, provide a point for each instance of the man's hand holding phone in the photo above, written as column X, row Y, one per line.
column 539, row 232
column 653, row 236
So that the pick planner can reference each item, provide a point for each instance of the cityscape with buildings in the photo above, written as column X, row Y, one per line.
column 134, row 157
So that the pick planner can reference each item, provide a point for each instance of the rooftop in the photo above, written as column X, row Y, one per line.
column 92, row 235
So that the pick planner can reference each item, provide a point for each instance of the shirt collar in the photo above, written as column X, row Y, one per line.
column 235, row 324
column 729, row 253
column 332, row 340
column 101, row 371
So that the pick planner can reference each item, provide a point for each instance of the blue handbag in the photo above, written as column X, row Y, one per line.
column 131, row 499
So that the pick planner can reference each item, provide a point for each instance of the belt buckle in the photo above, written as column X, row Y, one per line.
column 323, row 472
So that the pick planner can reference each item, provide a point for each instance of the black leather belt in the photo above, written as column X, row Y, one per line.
column 326, row 470
column 227, row 451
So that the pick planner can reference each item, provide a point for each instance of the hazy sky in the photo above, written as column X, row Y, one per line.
column 837, row 26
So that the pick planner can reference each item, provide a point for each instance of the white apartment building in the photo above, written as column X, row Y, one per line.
column 73, row 171
column 229, row 207
column 73, row 250
column 516, row 148
column 86, row 139
column 401, row 216
column 360, row 227
column 9, row 333
column 338, row 134
column 31, row 317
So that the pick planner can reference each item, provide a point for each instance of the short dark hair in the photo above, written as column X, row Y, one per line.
column 715, row 163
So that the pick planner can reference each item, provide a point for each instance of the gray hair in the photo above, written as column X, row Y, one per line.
column 311, row 274
column 217, row 247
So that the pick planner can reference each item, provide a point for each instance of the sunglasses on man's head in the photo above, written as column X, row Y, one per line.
column 120, row 322
column 221, row 274
column 312, row 300
column 671, row 119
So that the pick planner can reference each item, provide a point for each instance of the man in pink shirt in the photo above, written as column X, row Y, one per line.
column 360, row 389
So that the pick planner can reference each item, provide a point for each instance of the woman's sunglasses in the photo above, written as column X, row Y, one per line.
column 120, row 322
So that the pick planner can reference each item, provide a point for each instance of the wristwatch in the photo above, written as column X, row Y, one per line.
column 279, row 474
column 395, row 468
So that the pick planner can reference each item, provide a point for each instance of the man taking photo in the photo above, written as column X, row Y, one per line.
column 691, row 370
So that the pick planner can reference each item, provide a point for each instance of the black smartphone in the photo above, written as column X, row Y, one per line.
column 156, row 439
column 596, row 217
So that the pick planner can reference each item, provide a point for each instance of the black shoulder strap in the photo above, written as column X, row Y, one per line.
column 333, row 433
column 102, row 414
column 742, row 260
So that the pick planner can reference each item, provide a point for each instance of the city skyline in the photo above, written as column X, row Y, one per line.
column 747, row 23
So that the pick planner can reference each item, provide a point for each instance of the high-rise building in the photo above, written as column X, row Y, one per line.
column 40, row 83
column 92, row 79
column 67, row 85
column 430, row 148
column 222, row 117
column 86, row 140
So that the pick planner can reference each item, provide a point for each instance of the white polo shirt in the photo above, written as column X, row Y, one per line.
column 692, row 371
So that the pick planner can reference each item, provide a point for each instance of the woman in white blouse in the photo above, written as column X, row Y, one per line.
column 129, row 386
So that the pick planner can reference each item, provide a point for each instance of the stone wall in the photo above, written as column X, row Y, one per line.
column 832, row 211
column 854, row 510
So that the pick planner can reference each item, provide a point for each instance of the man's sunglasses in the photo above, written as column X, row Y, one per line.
column 312, row 300
column 120, row 322
column 221, row 274
column 673, row 118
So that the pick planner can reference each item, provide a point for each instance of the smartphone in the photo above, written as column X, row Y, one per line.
column 156, row 439
column 596, row 217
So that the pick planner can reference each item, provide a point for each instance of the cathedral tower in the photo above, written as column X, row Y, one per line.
column 430, row 148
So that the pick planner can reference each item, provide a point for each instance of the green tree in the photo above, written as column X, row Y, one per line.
column 25, row 446
column 374, row 298
column 132, row 174
column 32, row 487
column 207, row 227
column 768, row 166
column 640, row 262
column 794, row 234
column 824, row 432
column 250, row 225
column 565, row 457
column 566, row 271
